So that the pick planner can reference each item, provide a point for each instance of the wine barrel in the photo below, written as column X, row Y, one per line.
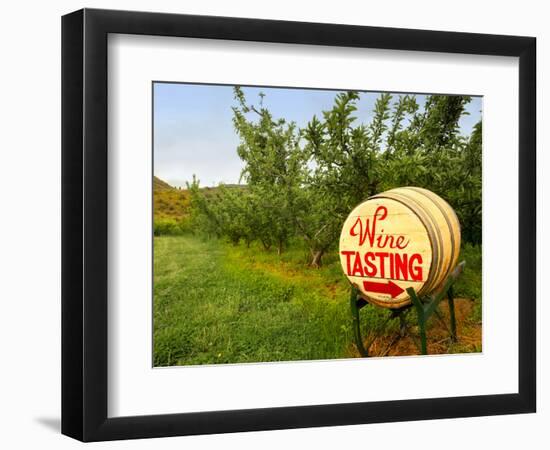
column 404, row 237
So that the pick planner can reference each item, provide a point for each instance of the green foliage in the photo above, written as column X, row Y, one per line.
column 430, row 153
column 171, row 227
column 467, row 197
column 469, row 284
column 302, row 183
column 274, row 168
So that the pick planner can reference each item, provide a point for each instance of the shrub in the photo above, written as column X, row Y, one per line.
column 170, row 227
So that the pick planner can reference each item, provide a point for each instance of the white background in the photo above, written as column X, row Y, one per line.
column 30, row 236
column 136, row 389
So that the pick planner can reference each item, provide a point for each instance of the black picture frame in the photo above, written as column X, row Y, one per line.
column 84, row 224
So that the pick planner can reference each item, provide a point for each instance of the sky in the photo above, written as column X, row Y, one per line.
column 194, row 134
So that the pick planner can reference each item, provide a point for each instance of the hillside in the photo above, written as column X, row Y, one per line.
column 169, row 202
column 160, row 185
column 173, row 203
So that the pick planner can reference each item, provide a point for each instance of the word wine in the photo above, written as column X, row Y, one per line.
column 379, row 254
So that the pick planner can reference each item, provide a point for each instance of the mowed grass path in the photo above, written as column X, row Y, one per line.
column 212, row 304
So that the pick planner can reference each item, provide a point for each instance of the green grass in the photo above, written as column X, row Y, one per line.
column 218, row 303
column 469, row 284
column 209, row 310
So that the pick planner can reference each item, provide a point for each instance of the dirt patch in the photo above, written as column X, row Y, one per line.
column 438, row 335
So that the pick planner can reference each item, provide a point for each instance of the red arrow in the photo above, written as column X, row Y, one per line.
column 383, row 288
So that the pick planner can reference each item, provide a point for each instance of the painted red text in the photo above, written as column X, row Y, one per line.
column 397, row 266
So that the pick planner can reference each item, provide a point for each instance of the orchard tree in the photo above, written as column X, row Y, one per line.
column 232, row 207
column 343, row 172
column 205, row 217
column 430, row 152
column 468, row 195
column 274, row 164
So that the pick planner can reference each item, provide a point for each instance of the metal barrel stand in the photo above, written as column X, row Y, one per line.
column 425, row 307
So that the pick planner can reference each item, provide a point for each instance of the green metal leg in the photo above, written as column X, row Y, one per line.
column 451, row 300
column 421, row 320
column 423, row 343
column 356, row 324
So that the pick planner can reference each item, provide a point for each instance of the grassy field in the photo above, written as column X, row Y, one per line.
column 218, row 303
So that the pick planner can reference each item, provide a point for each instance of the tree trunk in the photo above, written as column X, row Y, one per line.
column 316, row 258
column 279, row 248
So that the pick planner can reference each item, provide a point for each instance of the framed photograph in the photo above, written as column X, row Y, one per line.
column 273, row 224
